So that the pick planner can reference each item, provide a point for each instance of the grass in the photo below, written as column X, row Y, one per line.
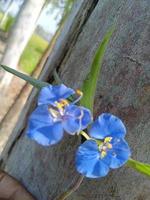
column 7, row 23
column 32, row 53
column 34, row 50
column 1, row 15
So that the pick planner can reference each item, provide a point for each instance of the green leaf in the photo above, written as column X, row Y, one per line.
column 36, row 83
column 139, row 166
column 90, row 83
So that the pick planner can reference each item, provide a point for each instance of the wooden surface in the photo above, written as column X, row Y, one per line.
column 10, row 189
column 123, row 89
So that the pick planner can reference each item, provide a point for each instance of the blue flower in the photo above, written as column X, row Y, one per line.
column 107, row 125
column 107, row 150
column 51, row 94
column 54, row 115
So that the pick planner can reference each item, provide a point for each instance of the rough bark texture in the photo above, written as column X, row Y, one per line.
column 123, row 89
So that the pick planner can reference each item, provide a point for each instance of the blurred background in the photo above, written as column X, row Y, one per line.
column 28, row 31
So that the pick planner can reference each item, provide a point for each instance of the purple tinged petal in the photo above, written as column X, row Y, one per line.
column 107, row 125
column 73, row 111
column 50, row 94
column 71, row 125
column 76, row 118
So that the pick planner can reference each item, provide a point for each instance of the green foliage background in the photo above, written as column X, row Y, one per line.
column 34, row 50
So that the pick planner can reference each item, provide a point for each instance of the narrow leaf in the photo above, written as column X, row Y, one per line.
column 90, row 83
column 139, row 167
column 36, row 83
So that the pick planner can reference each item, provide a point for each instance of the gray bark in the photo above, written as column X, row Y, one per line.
column 20, row 34
column 123, row 89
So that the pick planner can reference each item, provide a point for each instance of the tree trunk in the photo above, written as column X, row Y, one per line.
column 6, row 13
column 20, row 34
column 123, row 89
column 8, row 121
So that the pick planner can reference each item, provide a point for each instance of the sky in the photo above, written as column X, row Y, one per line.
column 48, row 19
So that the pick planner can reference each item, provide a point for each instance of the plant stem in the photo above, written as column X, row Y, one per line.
column 84, row 134
column 72, row 189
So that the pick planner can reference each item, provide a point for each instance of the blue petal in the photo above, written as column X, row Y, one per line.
column 101, row 169
column 88, row 160
column 47, row 135
column 107, row 125
column 120, row 153
column 71, row 125
column 86, row 118
column 62, row 92
column 42, row 128
column 73, row 110
column 76, row 119
column 50, row 94
column 45, row 95
column 71, row 122
column 41, row 116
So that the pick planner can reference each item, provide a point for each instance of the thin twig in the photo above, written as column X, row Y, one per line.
column 72, row 189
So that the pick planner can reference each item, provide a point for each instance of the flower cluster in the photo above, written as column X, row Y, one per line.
column 57, row 112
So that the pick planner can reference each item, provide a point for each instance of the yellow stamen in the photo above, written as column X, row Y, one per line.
column 59, row 105
column 103, row 153
column 79, row 92
column 107, row 139
column 109, row 146
column 64, row 102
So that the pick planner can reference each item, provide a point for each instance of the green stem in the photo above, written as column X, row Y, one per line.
column 140, row 167
column 35, row 82
column 85, row 135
